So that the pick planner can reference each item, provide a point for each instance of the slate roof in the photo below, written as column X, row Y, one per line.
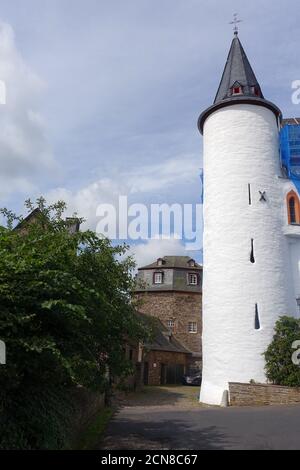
column 163, row 340
column 174, row 262
column 34, row 214
column 238, row 71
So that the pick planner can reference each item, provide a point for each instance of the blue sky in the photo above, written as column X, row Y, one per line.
column 103, row 96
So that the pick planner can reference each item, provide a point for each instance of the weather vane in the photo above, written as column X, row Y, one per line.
column 236, row 21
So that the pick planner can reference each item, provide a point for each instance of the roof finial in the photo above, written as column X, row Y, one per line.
column 235, row 22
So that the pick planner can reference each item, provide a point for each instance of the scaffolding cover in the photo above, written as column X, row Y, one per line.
column 290, row 152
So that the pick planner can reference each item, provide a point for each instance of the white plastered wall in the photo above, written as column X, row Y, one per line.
column 241, row 148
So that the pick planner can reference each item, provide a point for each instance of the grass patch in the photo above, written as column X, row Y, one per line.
column 91, row 437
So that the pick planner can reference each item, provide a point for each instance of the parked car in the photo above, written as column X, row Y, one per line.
column 192, row 379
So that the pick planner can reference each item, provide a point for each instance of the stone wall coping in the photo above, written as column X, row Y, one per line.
column 264, row 385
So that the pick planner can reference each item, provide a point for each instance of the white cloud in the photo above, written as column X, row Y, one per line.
column 166, row 175
column 146, row 253
column 181, row 169
column 85, row 201
column 107, row 191
column 24, row 151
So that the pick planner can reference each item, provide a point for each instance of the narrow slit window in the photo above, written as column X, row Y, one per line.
column 252, row 256
column 249, row 192
column 257, row 320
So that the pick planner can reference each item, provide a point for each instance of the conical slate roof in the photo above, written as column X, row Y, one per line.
column 238, row 85
column 238, row 72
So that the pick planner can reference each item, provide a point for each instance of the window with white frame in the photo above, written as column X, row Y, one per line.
column 158, row 278
column 171, row 324
column 193, row 327
column 193, row 279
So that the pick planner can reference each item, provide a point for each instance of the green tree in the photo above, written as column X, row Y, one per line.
column 65, row 312
column 280, row 368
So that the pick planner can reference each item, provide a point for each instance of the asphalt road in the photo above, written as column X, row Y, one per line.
column 171, row 419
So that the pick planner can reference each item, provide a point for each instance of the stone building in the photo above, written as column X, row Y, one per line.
column 170, row 289
column 159, row 362
column 165, row 360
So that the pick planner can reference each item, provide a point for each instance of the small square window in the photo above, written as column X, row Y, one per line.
column 193, row 327
column 158, row 278
column 193, row 279
column 237, row 90
column 171, row 324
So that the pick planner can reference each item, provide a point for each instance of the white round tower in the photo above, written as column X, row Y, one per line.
column 245, row 253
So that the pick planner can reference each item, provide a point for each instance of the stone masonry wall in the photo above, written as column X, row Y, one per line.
column 156, row 358
column 260, row 394
column 87, row 404
column 179, row 306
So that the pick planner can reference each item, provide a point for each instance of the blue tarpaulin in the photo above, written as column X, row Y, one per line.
column 290, row 152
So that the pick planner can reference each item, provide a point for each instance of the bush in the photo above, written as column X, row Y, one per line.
column 40, row 419
column 280, row 368
column 65, row 313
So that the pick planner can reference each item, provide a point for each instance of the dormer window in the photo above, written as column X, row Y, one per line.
column 160, row 262
column 158, row 278
column 192, row 263
column 237, row 90
column 255, row 90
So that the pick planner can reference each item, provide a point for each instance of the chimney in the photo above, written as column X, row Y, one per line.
column 73, row 225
